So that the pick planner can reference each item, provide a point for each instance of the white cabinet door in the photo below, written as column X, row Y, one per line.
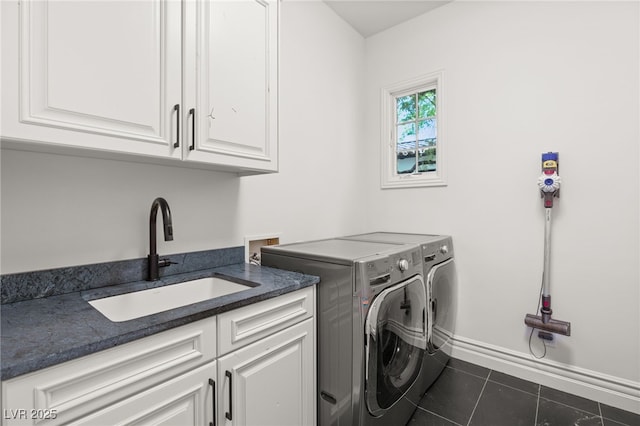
column 186, row 400
column 270, row 382
column 103, row 75
column 231, row 83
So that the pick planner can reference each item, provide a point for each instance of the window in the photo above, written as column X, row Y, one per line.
column 412, row 129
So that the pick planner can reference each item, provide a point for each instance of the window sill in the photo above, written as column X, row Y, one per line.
column 412, row 181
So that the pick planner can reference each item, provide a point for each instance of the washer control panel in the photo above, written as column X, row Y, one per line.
column 403, row 265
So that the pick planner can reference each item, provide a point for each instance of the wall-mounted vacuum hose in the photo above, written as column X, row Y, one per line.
column 549, row 183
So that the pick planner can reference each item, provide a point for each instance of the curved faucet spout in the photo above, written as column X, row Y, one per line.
column 154, row 262
column 166, row 220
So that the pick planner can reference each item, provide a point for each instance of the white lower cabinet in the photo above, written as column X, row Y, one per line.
column 267, row 363
column 270, row 382
column 251, row 366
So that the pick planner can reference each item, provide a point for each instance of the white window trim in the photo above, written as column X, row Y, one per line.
column 389, row 178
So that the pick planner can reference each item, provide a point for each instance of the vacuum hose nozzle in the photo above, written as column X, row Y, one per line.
column 552, row 325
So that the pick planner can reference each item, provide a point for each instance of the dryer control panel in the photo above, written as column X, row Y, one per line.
column 437, row 251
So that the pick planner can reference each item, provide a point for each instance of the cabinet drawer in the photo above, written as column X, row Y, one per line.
column 246, row 325
column 77, row 387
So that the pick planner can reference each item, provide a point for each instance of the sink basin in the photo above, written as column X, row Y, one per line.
column 128, row 306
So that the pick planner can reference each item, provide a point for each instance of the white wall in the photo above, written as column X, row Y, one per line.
column 523, row 78
column 316, row 194
column 59, row 211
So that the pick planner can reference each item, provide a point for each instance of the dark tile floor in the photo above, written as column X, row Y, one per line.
column 469, row 395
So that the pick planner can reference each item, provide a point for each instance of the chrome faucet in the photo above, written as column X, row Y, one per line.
column 155, row 263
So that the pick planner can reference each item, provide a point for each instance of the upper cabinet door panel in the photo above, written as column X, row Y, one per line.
column 236, row 74
column 110, row 69
column 236, row 82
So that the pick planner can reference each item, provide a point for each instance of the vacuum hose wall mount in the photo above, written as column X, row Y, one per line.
column 549, row 184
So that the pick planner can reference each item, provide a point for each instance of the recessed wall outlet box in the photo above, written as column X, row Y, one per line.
column 253, row 244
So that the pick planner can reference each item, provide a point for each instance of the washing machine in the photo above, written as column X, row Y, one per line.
column 441, row 288
column 371, row 326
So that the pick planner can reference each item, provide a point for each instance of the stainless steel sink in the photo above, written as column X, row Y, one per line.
column 128, row 306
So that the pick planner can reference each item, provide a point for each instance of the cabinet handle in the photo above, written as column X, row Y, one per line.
column 192, row 113
column 212, row 383
column 176, row 108
column 228, row 414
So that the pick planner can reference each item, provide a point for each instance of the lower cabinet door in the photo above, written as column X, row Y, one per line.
column 185, row 400
column 271, row 381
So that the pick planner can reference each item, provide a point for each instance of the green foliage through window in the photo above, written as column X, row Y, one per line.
column 416, row 132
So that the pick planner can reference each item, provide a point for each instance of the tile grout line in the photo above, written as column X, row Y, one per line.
column 479, row 396
column 537, row 406
column 442, row 417
column 488, row 377
column 517, row 389
column 570, row 406
column 435, row 414
column 601, row 416
column 469, row 373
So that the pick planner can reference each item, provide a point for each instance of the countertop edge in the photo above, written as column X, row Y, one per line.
column 82, row 330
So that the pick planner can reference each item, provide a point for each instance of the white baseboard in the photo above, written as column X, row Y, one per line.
column 610, row 390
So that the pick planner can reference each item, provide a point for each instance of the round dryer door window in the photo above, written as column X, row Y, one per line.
column 396, row 336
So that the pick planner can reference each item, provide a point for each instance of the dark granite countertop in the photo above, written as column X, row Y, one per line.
column 42, row 332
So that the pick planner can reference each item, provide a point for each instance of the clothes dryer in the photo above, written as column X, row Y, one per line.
column 441, row 288
column 371, row 327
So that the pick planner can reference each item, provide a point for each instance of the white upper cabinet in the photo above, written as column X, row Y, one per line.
column 231, row 76
column 101, row 75
column 159, row 79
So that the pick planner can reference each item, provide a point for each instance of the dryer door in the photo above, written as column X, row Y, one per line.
column 441, row 286
column 396, row 339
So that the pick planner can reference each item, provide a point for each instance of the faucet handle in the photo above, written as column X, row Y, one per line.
column 166, row 262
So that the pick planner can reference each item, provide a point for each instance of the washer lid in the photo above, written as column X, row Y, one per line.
column 335, row 249
column 396, row 237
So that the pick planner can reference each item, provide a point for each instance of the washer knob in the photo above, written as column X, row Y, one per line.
column 444, row 249
column 403, row 265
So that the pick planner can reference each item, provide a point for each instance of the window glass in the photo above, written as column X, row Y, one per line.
column 427, row 104
column 406, row 108
column 427, row 146
column 416, row 151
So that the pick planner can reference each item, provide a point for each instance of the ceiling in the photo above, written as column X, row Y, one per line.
column 369, row 17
